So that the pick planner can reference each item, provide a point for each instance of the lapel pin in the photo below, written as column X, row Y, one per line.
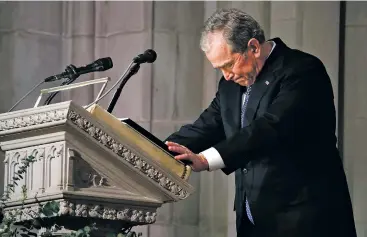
column 267, row 82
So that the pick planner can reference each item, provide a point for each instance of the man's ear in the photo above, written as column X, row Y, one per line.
column 254, row 46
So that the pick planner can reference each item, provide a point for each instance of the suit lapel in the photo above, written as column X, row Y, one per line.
column 264, row 79
column 257, row 92
column 237, row 97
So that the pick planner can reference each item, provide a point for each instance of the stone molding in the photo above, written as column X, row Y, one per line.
column 30, row 120
column 81, row 209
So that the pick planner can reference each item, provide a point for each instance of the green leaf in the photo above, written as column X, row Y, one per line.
column 55, row 206
column 121, row 235
column 110, row 235
column 50, row 208
column 80, row 233
column 47, row 211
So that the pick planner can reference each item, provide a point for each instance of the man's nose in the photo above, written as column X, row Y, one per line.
column 227, row 75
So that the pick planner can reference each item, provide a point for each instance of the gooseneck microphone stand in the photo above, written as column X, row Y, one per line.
column 72, row 76
column 133, row 70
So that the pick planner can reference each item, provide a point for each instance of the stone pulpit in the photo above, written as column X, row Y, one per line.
column 97, row 168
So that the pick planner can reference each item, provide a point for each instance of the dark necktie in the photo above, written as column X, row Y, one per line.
column 244, row 106
column 244, row 124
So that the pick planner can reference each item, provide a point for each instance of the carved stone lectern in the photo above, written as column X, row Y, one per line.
column 96, row 168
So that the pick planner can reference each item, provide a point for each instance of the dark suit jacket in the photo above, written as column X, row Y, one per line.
column 294, row 177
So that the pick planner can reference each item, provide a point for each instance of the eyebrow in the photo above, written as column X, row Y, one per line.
column 224, row 64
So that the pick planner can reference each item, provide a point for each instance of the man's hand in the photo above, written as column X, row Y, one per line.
column 199, row 163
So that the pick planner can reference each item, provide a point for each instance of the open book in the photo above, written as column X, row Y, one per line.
column 146, row 134
column 142, row 141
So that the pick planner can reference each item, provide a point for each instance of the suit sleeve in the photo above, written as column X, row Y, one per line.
column 205, row 132
column 290, row 116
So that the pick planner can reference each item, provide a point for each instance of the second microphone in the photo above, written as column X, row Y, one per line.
column 71, row 71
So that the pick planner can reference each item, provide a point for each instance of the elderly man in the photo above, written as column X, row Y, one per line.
column 272, row 122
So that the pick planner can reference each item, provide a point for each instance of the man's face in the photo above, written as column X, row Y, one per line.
column 240, row 68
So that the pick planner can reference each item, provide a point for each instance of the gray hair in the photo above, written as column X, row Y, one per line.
column 237, row 27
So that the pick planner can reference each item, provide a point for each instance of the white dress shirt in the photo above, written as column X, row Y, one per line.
column 213, row 157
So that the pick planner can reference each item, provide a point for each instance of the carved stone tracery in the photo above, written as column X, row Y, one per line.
column 86, row 210
column 85, row 176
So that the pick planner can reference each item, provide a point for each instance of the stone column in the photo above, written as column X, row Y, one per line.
column 355, row 112
column 320, row 37
column 30, row 44
column 286, row 22
column 307, row 26
column 177, row 97
column 78, row 42
column 123, row 30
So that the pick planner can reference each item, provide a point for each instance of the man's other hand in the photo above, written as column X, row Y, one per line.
column 198, row 161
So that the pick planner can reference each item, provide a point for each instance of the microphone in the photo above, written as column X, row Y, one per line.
column 71, row 71
column 148, row 56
